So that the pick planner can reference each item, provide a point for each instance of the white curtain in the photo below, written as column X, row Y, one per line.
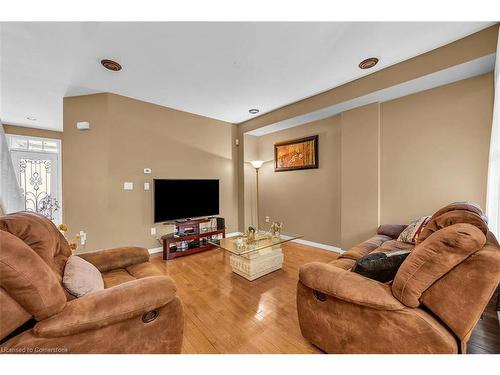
column 493, row 192
column 11, row 199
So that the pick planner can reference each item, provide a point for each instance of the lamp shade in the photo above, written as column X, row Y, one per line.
column 257, row 163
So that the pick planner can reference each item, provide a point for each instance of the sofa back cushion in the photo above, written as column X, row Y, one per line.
column 28, row 279
column 454, row 213
column 12, row 314
column 364, row 248
column 391, row 230
column 41, row 235
column 460, row 297
column 413, row 230
column 433, row 258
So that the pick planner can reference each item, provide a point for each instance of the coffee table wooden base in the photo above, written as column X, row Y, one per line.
column 257, row 264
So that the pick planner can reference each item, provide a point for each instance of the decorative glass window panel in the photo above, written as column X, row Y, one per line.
column 37, row 166
column 35, row 145
column 36, row 181
column 50, row 146
column 19, row 143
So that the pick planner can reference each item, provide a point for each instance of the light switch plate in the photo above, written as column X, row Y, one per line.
column 153, row 231
column 146, row 186
column 128, row 186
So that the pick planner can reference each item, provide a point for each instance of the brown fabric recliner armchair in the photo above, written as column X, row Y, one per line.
column 433, row 304
column 137, row 312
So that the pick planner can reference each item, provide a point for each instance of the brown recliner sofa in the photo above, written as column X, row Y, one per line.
column 137, row 312
column 432, row 305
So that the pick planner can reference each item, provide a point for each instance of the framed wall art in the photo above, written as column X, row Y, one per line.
column 296, row 154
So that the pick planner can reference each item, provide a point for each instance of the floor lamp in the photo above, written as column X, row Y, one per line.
column 257, row 164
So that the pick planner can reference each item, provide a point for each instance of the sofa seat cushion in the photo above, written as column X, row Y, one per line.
column 145, row 269
column 394, row 245
column 116, row 277
column 122, row 275
column 364, row 248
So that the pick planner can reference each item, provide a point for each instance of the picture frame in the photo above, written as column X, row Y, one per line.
column 296, row 154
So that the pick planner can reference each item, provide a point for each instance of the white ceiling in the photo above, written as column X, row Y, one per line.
column 219, row 70
column 454, row 73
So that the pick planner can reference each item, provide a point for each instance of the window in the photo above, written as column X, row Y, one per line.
column 38, row 172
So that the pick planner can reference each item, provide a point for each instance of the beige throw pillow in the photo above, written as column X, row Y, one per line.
column 81, row 277
column 412, row 231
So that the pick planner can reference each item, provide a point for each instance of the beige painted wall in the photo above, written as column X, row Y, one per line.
column 307, row 201
column 466, row 49
column 384, row 163
column 360, row 171
column 32, row 132
column 85, row 170
column 435, row 147
column 250, row 190
column 127, row 136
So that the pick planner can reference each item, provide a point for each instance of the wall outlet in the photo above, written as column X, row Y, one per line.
column 83, row 237
column 153, row 231
column 267, row 219
column 128, row 186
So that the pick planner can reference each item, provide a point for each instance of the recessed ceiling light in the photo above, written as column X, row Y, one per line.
column 31, row 118
column 253, row 111
column 111, row 65
column 368, row 63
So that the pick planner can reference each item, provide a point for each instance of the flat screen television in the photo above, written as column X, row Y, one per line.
column 182, row 199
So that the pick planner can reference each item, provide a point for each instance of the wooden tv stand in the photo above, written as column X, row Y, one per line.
column 197, row 234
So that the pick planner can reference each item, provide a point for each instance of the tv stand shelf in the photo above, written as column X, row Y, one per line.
column 197, row 234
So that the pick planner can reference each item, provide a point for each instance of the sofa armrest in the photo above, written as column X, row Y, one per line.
column 108, row 306
column 348, row 286
column 119, row 257
column 391, row 230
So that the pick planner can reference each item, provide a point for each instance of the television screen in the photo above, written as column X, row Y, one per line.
column 182, row 199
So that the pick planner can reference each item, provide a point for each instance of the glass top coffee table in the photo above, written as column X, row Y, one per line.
column 255, row 258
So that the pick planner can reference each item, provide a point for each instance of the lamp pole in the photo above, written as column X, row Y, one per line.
column 257, row 189
column 257, row 164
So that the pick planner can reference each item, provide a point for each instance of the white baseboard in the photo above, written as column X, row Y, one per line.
column 317, row 244
column 155, row 250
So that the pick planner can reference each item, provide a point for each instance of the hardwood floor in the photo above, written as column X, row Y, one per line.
column 486, row 335
column 225, row 313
